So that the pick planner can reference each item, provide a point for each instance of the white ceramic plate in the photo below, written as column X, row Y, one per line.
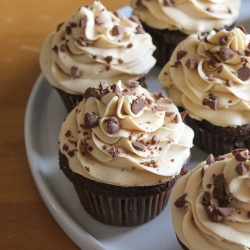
column 44, row 115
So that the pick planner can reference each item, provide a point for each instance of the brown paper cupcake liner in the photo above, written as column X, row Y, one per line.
column 218, row 140
column 181, row 244
column 119, row 206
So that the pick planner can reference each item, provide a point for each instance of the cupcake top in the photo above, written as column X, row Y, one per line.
column 210, row 77
column 211, row 204
column 125, row 136
column 96, row 44
column 189, row 17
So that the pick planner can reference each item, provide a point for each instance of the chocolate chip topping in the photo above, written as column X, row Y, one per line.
column 242, row 28
column 216, row 214
column 139, row 146
column 92, row 92
column 55, row 48
column 68, row 133
column 154, row 140
column 210, row 159
column 206, row 199
column 108, row 59
column 223, row 40
column 190, row 64
column 229, row 83
column 180, row 202
column 211, row 101
column 83, row 22
column 117, row 14
column 168, row 3
column 180, row 54
column 133, row 83
column 75, row 72
column 113, row 125
column 241, row 169
column 244, row 73
column 240, row 154
column 103, row 85
column 226, row 53
column 90, row 120
column 68, row 30
column 183, row 115
column 117, row 30
column 138, row 104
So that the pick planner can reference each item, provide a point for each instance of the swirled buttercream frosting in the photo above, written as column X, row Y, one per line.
column 125, row 136
column 210, row 77
column 211, row 204
column 189, row 17
column 96, row 44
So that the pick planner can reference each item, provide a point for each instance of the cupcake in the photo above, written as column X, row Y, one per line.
column 170, row 21
column 123, row 149
column 209, row 77
column 211, row 204
column 92, row 45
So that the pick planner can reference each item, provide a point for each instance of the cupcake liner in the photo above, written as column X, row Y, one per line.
column 218, row 140
column 181, row 244
column 165, row 42
column 119, row 206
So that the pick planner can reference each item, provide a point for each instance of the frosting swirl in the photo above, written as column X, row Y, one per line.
column 189, row 17
column 96, row 44
column 214, row 212
column 125, row 136
column 210, row 77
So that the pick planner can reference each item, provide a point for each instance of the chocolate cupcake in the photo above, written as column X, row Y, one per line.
column 123, row 149
column 170, row 21
column 209, row 77
column 210, row 205
column 92, row 45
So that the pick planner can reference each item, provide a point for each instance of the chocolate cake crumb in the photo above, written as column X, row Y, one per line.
column 209, row 185
column 180, row 202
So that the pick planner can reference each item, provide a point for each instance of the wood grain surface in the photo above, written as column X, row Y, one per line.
column 25, row 222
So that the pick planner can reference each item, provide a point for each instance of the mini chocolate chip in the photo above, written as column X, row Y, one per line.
column 103, row 85
column 72, row 24
column 113, row 125
column 206, row 199
column 211, row 101
column 247, row 52
column 219, row 182
column 129, row 45
column 226, row 53
column 241, row 155
column 213, row 214
column 241, row 169
column 190, row 64
column 176, row 119
column 59, row 26
column 90, row 120
column 242, row 28
column 120, row 61
column 108, row 59
column 168, row 3
column 68, row 30
column 244, row 73
column 55, row 48
column 68, row 133
column 75, row 72
column 117, row 14
column 63, row 47
column 139, row 146
column 223, row 40
column 210, row 159
column 229, row 83
column 226, row 211
column 117, row 30
column 98, row 20
column 180, row 54
column 108, row 67
column 180, row 202
column 83, row 22
column 154, row 140
column 138, row 104
column 161, row 108
column 133, row 83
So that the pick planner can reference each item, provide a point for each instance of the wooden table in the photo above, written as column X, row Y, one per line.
column 25, row 222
